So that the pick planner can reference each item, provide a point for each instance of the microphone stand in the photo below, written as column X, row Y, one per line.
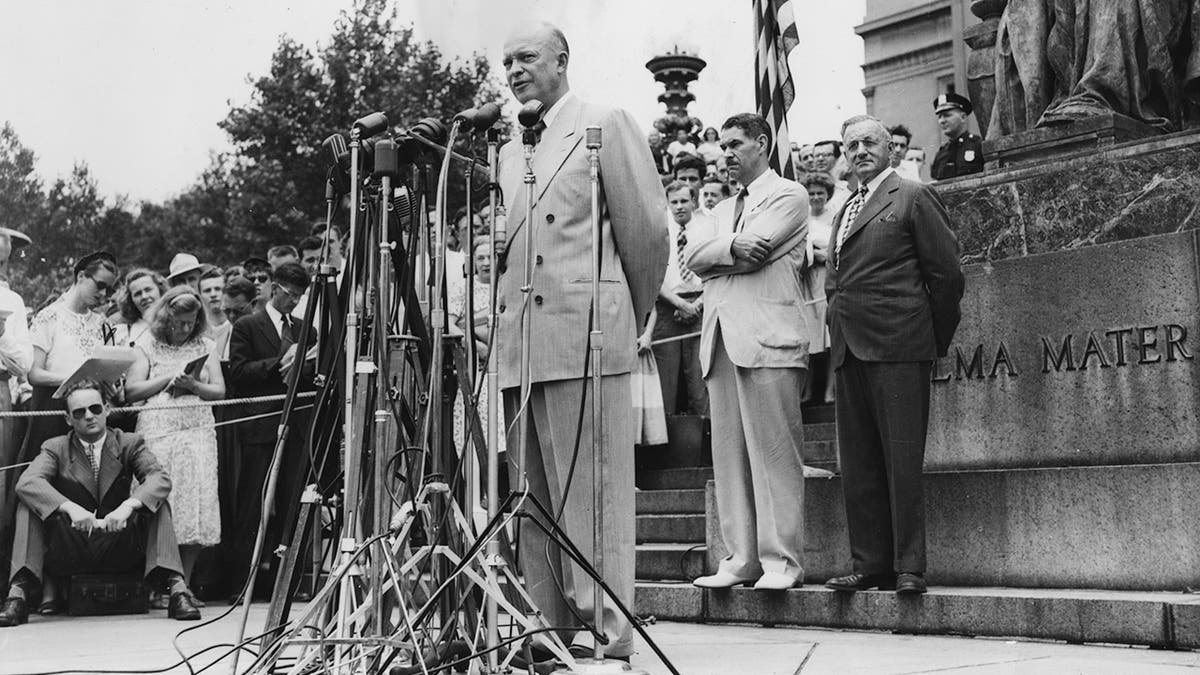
column 596, row 355
column 436, row 477
column 386, row 168
column 491, row 608
column 471, row 488
column 351, row 527
column 529, row 139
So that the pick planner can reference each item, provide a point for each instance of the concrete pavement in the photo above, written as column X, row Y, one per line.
column 145, row 642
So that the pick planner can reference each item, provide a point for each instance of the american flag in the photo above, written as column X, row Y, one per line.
column 775, row 29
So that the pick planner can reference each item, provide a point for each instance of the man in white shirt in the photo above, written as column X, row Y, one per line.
column 754, row 352
column 677, row 311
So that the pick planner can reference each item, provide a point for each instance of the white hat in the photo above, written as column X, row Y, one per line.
column 183, row 263
column 18, row 239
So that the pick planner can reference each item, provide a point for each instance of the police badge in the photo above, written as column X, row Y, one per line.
column 969, row 155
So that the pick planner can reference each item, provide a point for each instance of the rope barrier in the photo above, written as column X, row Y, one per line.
column 677, row 338
column 164, row 434
column 165, row 406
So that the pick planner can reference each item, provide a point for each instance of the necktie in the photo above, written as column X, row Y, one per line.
column 680, row 244
column 852, row 211
column 738, row 207
column 94, row 457
column 285, row 333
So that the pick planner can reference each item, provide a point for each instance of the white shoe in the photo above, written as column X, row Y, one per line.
column 721, row 580
column 775, row 581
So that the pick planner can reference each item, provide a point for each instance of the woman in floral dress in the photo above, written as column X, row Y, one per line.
column 184, row 440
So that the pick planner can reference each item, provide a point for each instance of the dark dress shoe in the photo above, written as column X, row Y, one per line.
column 910, row 584
column 14, row 612
column 181, row 608
column 49, row 608
column 862, row 582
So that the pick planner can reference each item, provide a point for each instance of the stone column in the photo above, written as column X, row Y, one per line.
column 981, row 61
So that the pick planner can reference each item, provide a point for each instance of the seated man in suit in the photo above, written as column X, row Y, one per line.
column 262, row 353
column 76, row 514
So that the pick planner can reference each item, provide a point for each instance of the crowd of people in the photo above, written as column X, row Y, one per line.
column 192, row 336
column 753, row 292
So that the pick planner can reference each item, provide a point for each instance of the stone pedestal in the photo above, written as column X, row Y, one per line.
column 1063, row 141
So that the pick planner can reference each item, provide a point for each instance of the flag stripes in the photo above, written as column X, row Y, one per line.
column 775, row 30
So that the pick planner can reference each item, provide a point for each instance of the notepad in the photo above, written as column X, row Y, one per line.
column 107, row 364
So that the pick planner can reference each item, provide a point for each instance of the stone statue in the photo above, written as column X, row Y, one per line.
column 1063, row 60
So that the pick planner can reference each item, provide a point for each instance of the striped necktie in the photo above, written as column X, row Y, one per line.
column 852, row 211
column 680, row 244
column 93, row 454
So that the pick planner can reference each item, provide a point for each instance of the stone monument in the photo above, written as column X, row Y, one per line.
column 1093, row 73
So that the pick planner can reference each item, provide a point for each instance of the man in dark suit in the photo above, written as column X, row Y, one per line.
column 262, row 354
column 77, row 515
column 634, row 250
column 894, row 284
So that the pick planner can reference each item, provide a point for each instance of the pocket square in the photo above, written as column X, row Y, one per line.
column 890, row 218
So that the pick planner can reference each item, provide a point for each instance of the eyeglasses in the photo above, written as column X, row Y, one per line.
column 259, row 278
column 94, row 408
column 290, row 293
column 103, row 287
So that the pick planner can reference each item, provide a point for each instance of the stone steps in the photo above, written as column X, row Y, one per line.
column 670, row 562
column 671, row 529
column 1157, row 619
column 1127, row 528
column 663, row 502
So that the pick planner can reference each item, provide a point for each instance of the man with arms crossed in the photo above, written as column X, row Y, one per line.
column 894, row 284
column 754, row 351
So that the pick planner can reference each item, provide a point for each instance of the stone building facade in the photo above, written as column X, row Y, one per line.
column 914, row 49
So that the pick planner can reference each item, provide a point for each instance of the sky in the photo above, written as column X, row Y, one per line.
column 135, row 88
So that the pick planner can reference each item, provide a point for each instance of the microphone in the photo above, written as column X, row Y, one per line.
column 467, row 117
column 488, row 115
column 387, row 162
column 431, row 130
column 371, row 124
column 531, row 113
column 592, row 138
column 335, row 145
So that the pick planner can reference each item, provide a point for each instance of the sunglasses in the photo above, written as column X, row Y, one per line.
column 103, row 287
column 94, row 408
column 259, row 278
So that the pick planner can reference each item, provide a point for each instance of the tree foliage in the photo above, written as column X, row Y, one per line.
column 269, row 186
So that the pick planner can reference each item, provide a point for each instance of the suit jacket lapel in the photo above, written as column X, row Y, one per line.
column 876, row 203
column 110, row 464
column 556, row 144
column 270, row 335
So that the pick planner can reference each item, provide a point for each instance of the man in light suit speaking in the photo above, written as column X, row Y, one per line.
column 633, row 262
column 754, row 354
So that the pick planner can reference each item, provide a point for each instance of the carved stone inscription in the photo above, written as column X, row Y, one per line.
column 1120, row 347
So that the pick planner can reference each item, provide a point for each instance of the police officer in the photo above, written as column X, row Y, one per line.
column 962, row 154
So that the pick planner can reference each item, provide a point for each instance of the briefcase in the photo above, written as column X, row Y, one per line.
column 102, row 594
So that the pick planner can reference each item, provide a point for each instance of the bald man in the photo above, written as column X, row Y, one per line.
column 634, row 259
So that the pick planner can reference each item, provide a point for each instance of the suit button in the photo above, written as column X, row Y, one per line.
column 538, row 260
column 537, row 299
column 502, row 308
column 550, row 218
